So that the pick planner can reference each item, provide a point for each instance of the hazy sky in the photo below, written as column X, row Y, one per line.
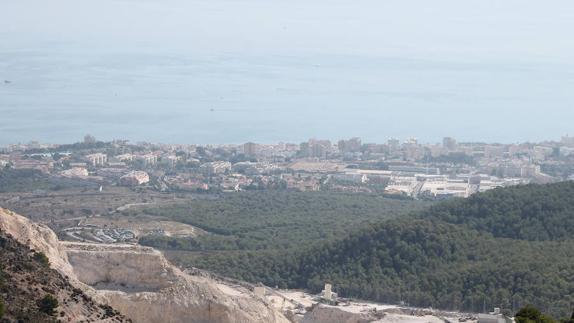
column 230, row 71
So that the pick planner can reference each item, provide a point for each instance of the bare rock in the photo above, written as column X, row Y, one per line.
column 139, row 281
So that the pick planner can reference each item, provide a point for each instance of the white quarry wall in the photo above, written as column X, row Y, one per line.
column 157, row 292
column 123, row 270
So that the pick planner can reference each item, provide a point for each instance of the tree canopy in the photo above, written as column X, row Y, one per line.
column 504, row 248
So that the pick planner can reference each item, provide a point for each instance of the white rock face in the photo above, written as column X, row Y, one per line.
column 142, row 284
column 37, row 237
column 139, row 281
column 179, row 304
column 121, row 267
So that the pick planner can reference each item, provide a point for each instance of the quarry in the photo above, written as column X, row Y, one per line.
column 138, row 281
column 142, row 285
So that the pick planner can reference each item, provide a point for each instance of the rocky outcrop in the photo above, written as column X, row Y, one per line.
column 37, row 237
column 179, row 305
column 27, row 280
column 139, row 281
column 127, row 268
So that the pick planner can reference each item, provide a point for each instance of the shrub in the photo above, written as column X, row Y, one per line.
column 2, row 308
column 2, row 278
column 530, row 314
column 41, row 258
column 48, row 304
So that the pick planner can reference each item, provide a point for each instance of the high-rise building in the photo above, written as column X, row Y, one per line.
column 304, row 149
column 319, row 148
column 352, row 145
column 250, row 149
column 315, row 148
column 449, row 143
column 412, row 141
column 393, row 144
column 568, row 141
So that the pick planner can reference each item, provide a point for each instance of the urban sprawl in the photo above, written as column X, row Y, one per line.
column 401, row 168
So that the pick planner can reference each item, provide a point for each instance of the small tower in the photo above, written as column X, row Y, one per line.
column 328, row 296
column 327, row 292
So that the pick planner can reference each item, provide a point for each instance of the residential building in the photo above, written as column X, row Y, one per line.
column 97, row 159
column 215, row 168
column 449, row 143
column 135, row 178
column 250, row 149
column 415, row 169
column 352, row 145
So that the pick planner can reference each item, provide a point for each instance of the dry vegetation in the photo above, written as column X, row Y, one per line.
column 30, row 291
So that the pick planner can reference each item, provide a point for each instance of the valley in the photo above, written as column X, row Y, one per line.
column 501, row 249
column 139, row 283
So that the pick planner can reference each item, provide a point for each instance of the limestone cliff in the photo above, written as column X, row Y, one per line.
column 139, row 281
column 37, row 237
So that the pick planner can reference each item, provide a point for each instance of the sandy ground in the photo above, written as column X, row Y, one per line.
column 231, row 291
column 297, row 297
column 290, row 299
column 397, row 318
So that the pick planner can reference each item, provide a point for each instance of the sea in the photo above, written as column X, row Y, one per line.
column 232, row 71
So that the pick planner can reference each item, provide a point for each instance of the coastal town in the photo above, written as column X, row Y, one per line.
column 405, row 168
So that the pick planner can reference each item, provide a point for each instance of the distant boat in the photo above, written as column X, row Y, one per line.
column 7, row 82
column 212, row 110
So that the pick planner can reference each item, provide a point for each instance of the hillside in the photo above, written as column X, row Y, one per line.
column 30, row 291
column 135, row 280
column 29, row 180
column 530, row 212
column 274, row 220
column 505, row 248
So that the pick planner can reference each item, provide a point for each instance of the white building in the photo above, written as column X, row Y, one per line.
column 444, row 187
column 529, row 171
column 134, row 178
column 148, row 159
column 566, row 151
column 402, row 185
column 355, row 178
column 98, row 159
column 78, row 172
column 125, row 157
column 216, row 167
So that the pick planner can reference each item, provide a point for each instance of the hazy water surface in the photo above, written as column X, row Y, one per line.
column 223, row 71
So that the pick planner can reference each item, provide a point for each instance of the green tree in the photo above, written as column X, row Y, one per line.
column 570, row 320
column 48, row 304
column 530, row 314
column 41, row 258
column 2, row 308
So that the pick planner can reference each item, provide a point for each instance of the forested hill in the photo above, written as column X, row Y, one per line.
column 530, row 212
column 504, row 248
